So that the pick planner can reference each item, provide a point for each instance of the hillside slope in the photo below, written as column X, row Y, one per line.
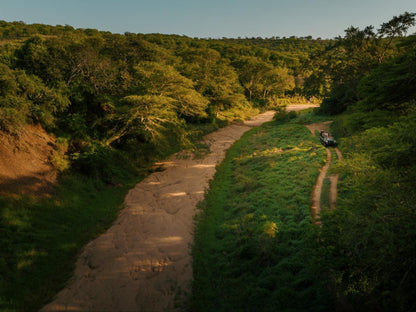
column 25, row 166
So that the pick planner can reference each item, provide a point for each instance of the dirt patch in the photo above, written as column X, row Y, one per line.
column 143, row 261
column 318, row 127
column 24, row 162
column 297, row 107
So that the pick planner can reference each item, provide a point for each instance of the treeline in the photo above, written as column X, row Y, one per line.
column 367, row 245
column 139, row 94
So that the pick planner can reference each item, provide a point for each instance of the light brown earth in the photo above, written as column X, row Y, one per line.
column 317, row 189
column 143, row 261
column 25, row 167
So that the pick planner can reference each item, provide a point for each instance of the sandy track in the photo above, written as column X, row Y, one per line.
column 143, row 260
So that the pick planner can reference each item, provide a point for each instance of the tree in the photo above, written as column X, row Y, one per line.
column 276, row 81
column 353, row 57
column 162, row 98
column 398, row 25
column 163, row 80
column 214, row 78
column 391, row 85
column 24, row 98
column 262, row 79
column 145, row 115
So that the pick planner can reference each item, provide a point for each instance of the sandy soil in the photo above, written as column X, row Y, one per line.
column 24, row 162
column 317, row 189
column 143, row 261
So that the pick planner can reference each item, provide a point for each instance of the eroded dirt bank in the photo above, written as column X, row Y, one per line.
column 25, row 166
column 143, row 260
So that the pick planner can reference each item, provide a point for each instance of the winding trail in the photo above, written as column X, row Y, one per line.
column 333, row 178
column 143, row 261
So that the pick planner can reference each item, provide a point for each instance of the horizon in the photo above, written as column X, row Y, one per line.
column 167, row 34
column 305, row 37
column 230, row 19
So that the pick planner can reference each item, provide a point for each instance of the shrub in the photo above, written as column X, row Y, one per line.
column 284, row 116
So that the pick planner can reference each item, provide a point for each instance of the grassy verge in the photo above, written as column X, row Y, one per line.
column 41, row 237
column 325, row 194
column 254, row 238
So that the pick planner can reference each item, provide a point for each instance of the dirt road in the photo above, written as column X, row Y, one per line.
column 333, row 178
column 143, row 261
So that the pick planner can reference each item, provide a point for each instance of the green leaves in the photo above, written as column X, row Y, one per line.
column 24, row 97
column 337, row 72
column 261, row 79
column 398, row 25
column 146, row 115
column 164, row 97
column 163, row 80
column 391, row 85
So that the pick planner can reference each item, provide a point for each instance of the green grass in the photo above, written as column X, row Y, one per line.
column 326, row 186
column 325, row 194
column 254, row 236
column 41, row 237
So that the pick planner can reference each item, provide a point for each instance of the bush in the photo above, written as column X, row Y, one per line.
column 103, row 163
column 284, row 116
column 59, row 159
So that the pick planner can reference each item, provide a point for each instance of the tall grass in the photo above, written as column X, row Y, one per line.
column 41, row 237
column 254, row 237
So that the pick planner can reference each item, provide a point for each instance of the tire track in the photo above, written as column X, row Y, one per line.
column 333, row 178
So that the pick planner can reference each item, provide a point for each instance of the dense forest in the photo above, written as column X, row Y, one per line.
column 101, row 92
column 117, row 102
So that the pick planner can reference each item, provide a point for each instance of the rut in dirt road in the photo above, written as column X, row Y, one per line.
column 143, row 261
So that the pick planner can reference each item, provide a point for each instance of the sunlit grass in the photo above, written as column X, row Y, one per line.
column 254, row 232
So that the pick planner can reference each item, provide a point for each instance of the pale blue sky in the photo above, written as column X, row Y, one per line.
column 210, row 18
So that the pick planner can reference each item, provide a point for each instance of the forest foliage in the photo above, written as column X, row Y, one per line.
column 102, row 91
